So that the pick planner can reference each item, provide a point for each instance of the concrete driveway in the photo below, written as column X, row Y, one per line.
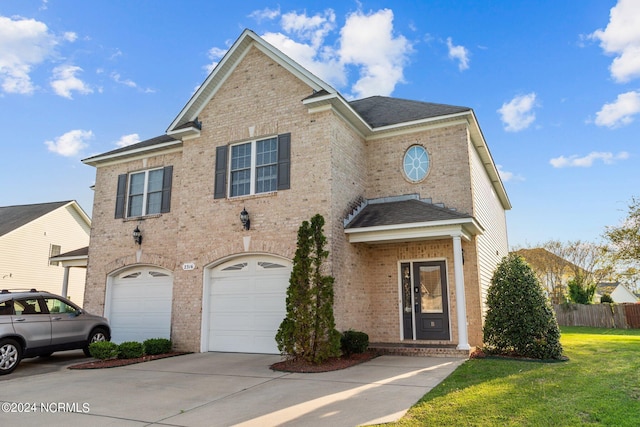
column 221, row 389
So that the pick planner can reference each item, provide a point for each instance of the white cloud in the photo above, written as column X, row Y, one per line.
column 306, row 40
column 620, row 112
column 508, row 176
column 216, row 55
column 368, row 42
column 459, row 53
column 126, row 140
column 126, row 82
column 518, row 114
column 266, row 13
column 70, row 36
column 587, row 161
column 622, row 39
column 71, row 143
column 64, row 81
column 24, row 44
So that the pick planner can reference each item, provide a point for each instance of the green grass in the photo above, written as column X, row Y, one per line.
column 599, row 385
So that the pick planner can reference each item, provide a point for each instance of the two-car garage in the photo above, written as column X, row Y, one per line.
column 243, row 304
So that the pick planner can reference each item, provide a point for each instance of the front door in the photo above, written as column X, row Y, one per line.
column 431, row 308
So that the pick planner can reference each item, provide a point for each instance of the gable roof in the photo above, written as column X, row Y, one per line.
column 370, row 117
column 225, row 67
column 14, row 217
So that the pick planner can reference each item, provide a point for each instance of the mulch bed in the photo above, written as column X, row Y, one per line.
column 333, row 364
column 113, row 363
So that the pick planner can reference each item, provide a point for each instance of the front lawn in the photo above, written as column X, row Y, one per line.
column 599, row 385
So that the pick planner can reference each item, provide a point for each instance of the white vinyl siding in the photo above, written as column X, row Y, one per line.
column 488, row 211
column 24, row 263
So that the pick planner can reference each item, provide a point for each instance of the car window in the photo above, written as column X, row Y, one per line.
column 27, row 306
column 6, row 308
column 58, row 306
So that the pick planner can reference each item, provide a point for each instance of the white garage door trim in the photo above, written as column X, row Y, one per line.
column 244, row 302
column 138, row 304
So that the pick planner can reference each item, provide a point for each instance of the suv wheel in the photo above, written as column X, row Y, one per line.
column 97, row 335
column 10, row 355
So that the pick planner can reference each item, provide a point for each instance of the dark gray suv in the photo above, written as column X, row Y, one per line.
column 36, row 323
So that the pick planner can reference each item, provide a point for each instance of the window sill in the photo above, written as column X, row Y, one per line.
column 141, row 218
column 253, row 196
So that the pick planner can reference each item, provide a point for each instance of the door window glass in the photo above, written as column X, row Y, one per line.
column 57, row 306
column 27, row 306
column 430, row 290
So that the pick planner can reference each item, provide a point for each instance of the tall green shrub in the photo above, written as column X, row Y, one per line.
column 520, row 320
column 308, row 331
column 581, row 292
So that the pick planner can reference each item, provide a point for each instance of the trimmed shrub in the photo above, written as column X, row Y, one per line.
column 103, row 350
column 353, row 342
column 130, row 350
column 520, row 320
column 157, row 346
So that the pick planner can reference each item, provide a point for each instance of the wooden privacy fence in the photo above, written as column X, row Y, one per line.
column 622, row 316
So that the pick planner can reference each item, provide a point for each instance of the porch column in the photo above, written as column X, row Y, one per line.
column 461, row 305
column 65, row 282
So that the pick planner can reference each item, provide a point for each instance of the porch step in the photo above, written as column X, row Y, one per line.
column 424, row 350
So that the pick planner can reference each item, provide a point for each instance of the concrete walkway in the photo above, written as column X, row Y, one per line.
column 221, row 389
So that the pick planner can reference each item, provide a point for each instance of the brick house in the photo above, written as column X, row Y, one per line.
column 413, row 203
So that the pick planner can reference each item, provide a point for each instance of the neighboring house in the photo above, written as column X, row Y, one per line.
column 552, row 270
column 265, row 137
column 618, row 292
column 31, row 239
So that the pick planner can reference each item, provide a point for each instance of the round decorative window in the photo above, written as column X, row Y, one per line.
column 416, row 163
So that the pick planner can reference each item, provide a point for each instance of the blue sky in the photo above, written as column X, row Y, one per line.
column 555, row 86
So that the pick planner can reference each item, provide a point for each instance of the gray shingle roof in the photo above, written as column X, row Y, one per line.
column 14, row 217
column 142, row 144
column 381, row 111
column 402, row 212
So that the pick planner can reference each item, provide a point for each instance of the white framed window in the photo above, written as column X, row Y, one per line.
column 145, row 193
column 254, row 167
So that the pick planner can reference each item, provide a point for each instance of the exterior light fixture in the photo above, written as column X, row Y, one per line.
column 137, row 236
column 244, row 218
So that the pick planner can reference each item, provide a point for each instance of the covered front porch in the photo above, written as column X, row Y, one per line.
column 431, row 251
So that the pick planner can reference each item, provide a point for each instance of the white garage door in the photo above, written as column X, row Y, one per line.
column 140, row 305
column 247, row 299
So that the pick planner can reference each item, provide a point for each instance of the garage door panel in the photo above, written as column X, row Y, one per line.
column 247, row 306
column 140, row 306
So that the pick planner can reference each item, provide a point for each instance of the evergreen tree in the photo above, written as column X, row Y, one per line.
column 520, row 320
column 308, row 331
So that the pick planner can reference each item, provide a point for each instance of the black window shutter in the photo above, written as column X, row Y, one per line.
column 220, row 185
column 165, row 205
column 284, row 161
column 121, row 195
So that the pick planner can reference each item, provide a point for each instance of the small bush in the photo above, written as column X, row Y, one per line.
column 353, row 342
column 130, row 350
column 606, row 298
column 157, row 346
column 103, row 350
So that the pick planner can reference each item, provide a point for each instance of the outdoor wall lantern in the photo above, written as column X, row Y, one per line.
column 244, row 218
column 137, row 236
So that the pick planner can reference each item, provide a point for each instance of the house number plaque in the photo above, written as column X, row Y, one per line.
column 188, row 266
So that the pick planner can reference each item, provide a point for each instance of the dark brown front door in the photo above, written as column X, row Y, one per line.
column 431, row 308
